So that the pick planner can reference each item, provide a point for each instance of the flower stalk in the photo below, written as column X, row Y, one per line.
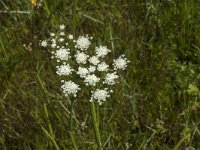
column 96, row 126
column 71, row 131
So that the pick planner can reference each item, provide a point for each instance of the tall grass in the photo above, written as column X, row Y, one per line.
column 156, row 106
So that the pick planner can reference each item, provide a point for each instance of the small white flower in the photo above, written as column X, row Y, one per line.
column 102, row 67
column 62, row 33
column 120, row 63
column 53, row 45
column 92, row 69
column 82, row 72
column 91, row 80
column 111, row 78
column 61, row 39
column 53, row 40
column 62, row 27
column 102, row 51
column 70, row 87
column 62, row 54
column 44, row 43
column 94, row 60
column 70, row 37
column 82, row 42
column 52, row 34
column 81, row 58
column 64, row 69
column 100, row 95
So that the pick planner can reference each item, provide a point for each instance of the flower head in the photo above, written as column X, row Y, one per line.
column 91, row 80
column 53, row 45
column 70, row 37
column 102, row 51
column 62, row 54
column 62, row 27
column 92, row 69
column 102, row 67
column 88, row 67
column 52, row 34
column 94, row 60
column 62, row 33
column 100, row 95
column 81, row 58
column 82, row 42
column 120, row 63
column 82, row 72
column 111, row 78
column 61, row 39
column 43, row 43
column 70, row 87
column 64, row 69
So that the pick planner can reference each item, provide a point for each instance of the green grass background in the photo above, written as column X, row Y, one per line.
column 155, row 106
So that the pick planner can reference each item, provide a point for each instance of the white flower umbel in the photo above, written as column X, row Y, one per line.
column 82, row 72
column 62, row 54
column 62, row 27
column 61, row 39
column 64, row 70
column 102, row 67
column 111, row 78
column 89, row 70
column 92, row 69
column 81, row 58
column 43, row 43
column 69, row 88
column 52, row 34
column 100, row 95
column 102, row 51
column 94, row 60
column 91, row 80
column 53, row 45
column 82, row 42
column 120, row 63
column 53, row 42
column 70, row 37
column 62, row 33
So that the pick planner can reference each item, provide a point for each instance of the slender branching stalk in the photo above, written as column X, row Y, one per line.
column 96, row 126
column 71, row 129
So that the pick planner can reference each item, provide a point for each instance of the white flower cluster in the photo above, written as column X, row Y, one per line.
column 83, row 42
column 100, row 95
column 70, row 87
column 79, row 58
column 64, row 69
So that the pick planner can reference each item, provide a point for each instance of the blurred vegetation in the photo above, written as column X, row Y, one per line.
column 158, row 106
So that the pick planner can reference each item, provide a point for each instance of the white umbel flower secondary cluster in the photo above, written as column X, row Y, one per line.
column 79, row 63
column 81, row 58
column 91, row 80
column 62, row 54
column 64, row 69
column 102, row 51
column 82, row 42
column 100, row 95
column 102, row 67
column 120, row 63
column 94, row 60
column 111, row 78
column 82, row 72
column 70, row 87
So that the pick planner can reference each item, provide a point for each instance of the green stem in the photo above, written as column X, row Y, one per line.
column 96, row 126
column 71, row 132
